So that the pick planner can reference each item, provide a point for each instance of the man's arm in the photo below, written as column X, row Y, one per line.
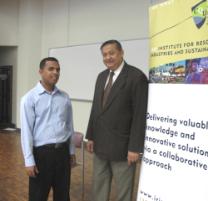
column 27, row 123
column 71, row 129
column 89, row 133
column 137, row 135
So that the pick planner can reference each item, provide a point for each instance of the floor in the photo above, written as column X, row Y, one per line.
column 14, row 181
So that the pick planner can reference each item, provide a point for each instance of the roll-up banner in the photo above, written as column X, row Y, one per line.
column 175, row 161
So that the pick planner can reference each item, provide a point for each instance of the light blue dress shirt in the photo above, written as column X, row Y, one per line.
column 45, row 118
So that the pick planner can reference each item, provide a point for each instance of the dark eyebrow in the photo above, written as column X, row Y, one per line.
column 51, row 67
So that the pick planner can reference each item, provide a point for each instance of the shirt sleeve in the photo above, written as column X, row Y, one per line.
column 27, row 116
column 70, row 124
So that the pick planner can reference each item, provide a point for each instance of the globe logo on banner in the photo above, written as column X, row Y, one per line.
column 200, row 13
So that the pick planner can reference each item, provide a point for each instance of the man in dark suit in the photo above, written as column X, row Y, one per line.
column 116, row 127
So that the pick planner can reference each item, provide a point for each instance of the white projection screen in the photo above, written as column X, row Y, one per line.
column 81, row 64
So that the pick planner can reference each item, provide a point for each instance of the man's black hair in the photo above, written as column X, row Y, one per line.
column 109, row 42
column 43, row 61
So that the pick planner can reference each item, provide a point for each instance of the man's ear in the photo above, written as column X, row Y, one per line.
column 122, row 52
column 40, row 71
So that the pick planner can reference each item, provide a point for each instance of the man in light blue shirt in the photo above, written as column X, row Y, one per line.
column 46, row 133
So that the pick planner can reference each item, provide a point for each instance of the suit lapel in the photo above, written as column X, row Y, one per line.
column 101, row 87
column 118, row 84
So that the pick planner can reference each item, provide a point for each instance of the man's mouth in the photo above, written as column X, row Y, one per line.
column 54, row 78
column 110, row 62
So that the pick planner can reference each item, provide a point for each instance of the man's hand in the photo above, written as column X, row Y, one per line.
column 90, row 146
column 132, row 157
column 32, row 171
column 73, row 160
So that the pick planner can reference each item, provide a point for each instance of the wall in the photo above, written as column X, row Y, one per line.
column 9, row 22
column 91, row 21
column 55, row 24
column 9, row 13
column 8, row 56
column 36, row 26
column 29, row 47
column 96, row 20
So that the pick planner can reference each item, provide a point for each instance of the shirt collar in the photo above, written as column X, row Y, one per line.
column 40, row 89
column 119, row 69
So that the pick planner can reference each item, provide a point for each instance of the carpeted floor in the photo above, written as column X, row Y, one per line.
column 14, row 181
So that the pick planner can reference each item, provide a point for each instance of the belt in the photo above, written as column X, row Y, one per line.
column 53, row 145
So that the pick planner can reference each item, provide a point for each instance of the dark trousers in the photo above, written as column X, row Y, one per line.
column 54, row 172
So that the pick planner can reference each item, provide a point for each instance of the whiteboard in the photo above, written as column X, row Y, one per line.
column 81, row 64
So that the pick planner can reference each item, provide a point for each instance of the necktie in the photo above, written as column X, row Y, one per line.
column 108, row 88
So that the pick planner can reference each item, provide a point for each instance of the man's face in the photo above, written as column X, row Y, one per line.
column 50, row 73
column 112, row 56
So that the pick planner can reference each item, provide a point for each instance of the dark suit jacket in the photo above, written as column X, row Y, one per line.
column 119, row 127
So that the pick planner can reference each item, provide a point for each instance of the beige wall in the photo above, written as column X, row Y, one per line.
column 55, row 24
column 9, row 22
column 96, row 20
column 36, row 26
column 91, row 21
column 29, row 47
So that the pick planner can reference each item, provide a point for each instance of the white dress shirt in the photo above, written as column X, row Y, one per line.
column 116, row 73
